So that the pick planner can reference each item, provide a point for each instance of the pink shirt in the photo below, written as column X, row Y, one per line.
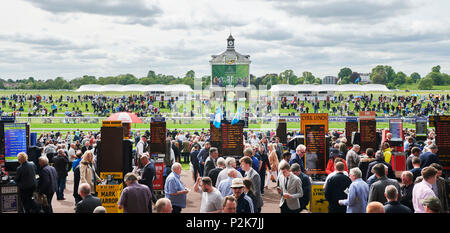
column 421, row 191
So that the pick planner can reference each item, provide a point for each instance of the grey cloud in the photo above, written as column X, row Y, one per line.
column 214, row 23
column 268, row 34
column 344, row 10
column 135, row 8
column 45, row 43
column 135, row 12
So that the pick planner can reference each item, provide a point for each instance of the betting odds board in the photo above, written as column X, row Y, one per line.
column 232, row 139
column 158, row 136
column 368, row 130
column 315, row 149
column 313, row 119
column 351, row 125
column 15, row 140
column 442, row 126
column 215, row 137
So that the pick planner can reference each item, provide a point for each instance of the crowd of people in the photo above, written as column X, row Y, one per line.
column 356, row 181
column 145, row 105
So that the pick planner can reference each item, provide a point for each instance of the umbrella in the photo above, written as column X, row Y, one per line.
column 126, row 117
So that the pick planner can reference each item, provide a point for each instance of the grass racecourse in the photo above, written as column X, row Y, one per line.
column 179, row 124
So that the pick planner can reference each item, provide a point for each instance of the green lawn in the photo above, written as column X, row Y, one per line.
column 197, row 124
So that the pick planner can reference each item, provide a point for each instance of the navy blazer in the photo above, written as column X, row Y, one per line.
column 148, row 175
column 47, row 180
column 295, row 158
column 427, row 158
column 88, row 204
column 26, row 176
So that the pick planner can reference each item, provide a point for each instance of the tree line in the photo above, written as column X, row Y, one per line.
column 381, row 74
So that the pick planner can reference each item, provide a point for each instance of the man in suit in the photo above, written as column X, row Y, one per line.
column 147, row 176
column 47, row 182
column 202, row 155
column 89, row 202
column 141, row 147
column 377, row 189
column 76, row 183
column 210, row 162
column 306, row 186
column 290, row 188
column 379, row 158
column 297, row 157
column 60, row 162
column 26, row 180
column 214, row 173
column 335, row 189
column 246, row 165
column 427, row 158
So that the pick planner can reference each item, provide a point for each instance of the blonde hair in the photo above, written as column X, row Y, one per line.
column 22, row 157
column 86, row 153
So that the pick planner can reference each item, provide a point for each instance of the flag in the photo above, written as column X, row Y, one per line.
column 237, row 117
column 218, row 118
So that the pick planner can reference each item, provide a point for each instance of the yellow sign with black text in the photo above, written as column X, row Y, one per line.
column 318, row 203
column 109, row 194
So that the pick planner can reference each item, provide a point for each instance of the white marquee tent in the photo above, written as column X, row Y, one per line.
column 285, row 88
column 176, row 88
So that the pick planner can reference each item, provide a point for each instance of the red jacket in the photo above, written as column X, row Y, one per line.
column 330, row 166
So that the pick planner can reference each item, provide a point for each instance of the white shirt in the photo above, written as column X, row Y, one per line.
column 71, row 153
column 211, row 201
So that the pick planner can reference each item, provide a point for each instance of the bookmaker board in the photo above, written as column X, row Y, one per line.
column 232, row 137
column 442, row 129
column 368, row 130
column 315, row 149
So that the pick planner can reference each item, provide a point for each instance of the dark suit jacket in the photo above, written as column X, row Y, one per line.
column 88, row 204
column 391, row 173
column 295, row 158
column 76, row 181
column 334, row 191
column 26, row 176
column 60, row 164
column 47, row 180
column 213, row 174
column 209, row 165
column 377, row 189
column 427, row 158
column 148, row 175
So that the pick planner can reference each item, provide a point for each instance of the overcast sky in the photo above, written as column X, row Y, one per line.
column 50, row 38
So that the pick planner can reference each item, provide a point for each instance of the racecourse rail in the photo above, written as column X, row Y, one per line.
column 70, row 120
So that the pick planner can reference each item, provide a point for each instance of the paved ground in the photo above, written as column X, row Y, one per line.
column 271, row 197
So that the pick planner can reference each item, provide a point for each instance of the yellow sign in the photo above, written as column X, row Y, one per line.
column 111, row 123
column 313, row 119
column 318, row 203
column 109, row 194
column 114, row 175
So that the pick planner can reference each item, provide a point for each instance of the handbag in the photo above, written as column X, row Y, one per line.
column 40, row 199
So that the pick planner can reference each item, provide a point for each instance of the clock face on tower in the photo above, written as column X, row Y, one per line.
column 230, row 43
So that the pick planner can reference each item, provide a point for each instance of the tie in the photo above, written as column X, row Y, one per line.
column 285, row 184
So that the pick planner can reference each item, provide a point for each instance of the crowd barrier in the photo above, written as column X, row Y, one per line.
column 187, row 120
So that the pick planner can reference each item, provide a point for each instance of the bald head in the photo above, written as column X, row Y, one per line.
column 232, row 173
column 163, row 205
